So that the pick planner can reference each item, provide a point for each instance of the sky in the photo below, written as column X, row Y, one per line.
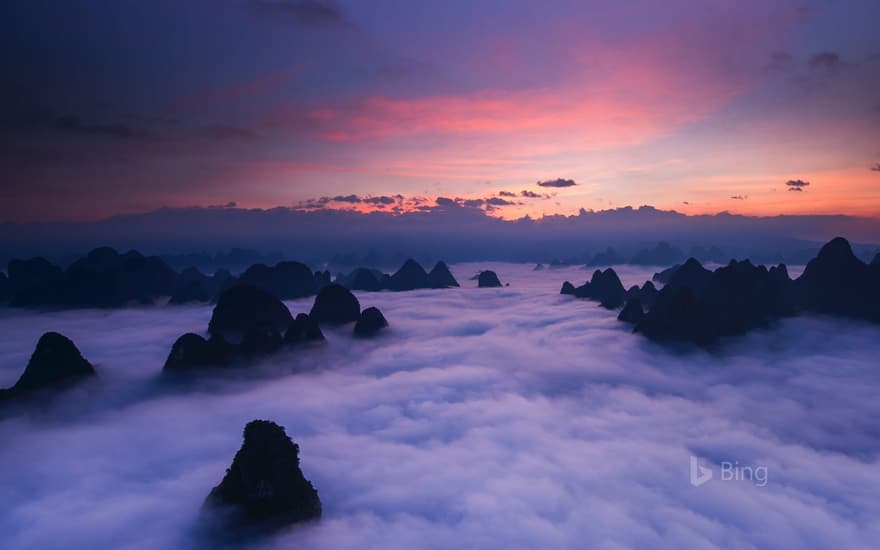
column 532, row 108
column 460, row 427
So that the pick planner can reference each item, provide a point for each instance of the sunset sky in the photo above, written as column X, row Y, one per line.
column 754, row 107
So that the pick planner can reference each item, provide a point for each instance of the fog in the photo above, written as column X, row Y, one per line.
column 488, row 418
column 454, row 233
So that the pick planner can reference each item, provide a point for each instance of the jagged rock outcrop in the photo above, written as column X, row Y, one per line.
column 303, row 329
column 410, row 276
column 662, row 254
column 264, row 489
column 836, row 282
column 607, row 258
column 646, row 294
column 691, row 274
column 192, row 351
column 105, row 278
column 441, row 277
column 244, row 308
column 286, row 280
column 370, row 322
column 604, row 287
column 56, row 363
column 335, row 304
column 702, row 307
column 488, row 279
column 632, row 312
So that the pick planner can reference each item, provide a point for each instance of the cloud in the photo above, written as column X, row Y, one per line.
column 797, row 185
column 346, row 198
column 827, row 62
column 532, row 195
column 478, row 420
column 739, row 197
column 506, row 194
column 445, row 201
column 304, row 12
column 74, row 125
column 382, row 199
column 558, row 182
column 876, row 167
column 497, row 201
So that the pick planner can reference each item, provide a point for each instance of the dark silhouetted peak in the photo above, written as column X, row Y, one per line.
column 662, row 254
column 837, row 249
column 727, row 302
column 192, row 351
column 245, row 307
column 488, row 279
column 56, row 362
column 264, row 488
column 287, row 280
column 632, row 312
column 836, row 282
column 441, row 277
column 409, row 277
column 605, row 286
column 538, row 267
column 4, row 287
column 692, row 275
column 335, row 304
column 362, row 279
column 370, row 322
column 303, row 329
column 876, row 260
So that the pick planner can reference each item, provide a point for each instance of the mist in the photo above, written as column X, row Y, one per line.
column 451, row 232
column 491, row 418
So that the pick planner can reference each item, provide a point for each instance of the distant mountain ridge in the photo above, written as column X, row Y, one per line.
column 455, row 233
column 701, row 306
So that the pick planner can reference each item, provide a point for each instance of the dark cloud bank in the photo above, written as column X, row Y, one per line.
column 488, row 418
column 451, row 228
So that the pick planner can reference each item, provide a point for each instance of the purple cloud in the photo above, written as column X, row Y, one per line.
column 797, row 185
column 558, row 182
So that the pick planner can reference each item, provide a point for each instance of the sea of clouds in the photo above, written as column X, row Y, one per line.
column 484, row 418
